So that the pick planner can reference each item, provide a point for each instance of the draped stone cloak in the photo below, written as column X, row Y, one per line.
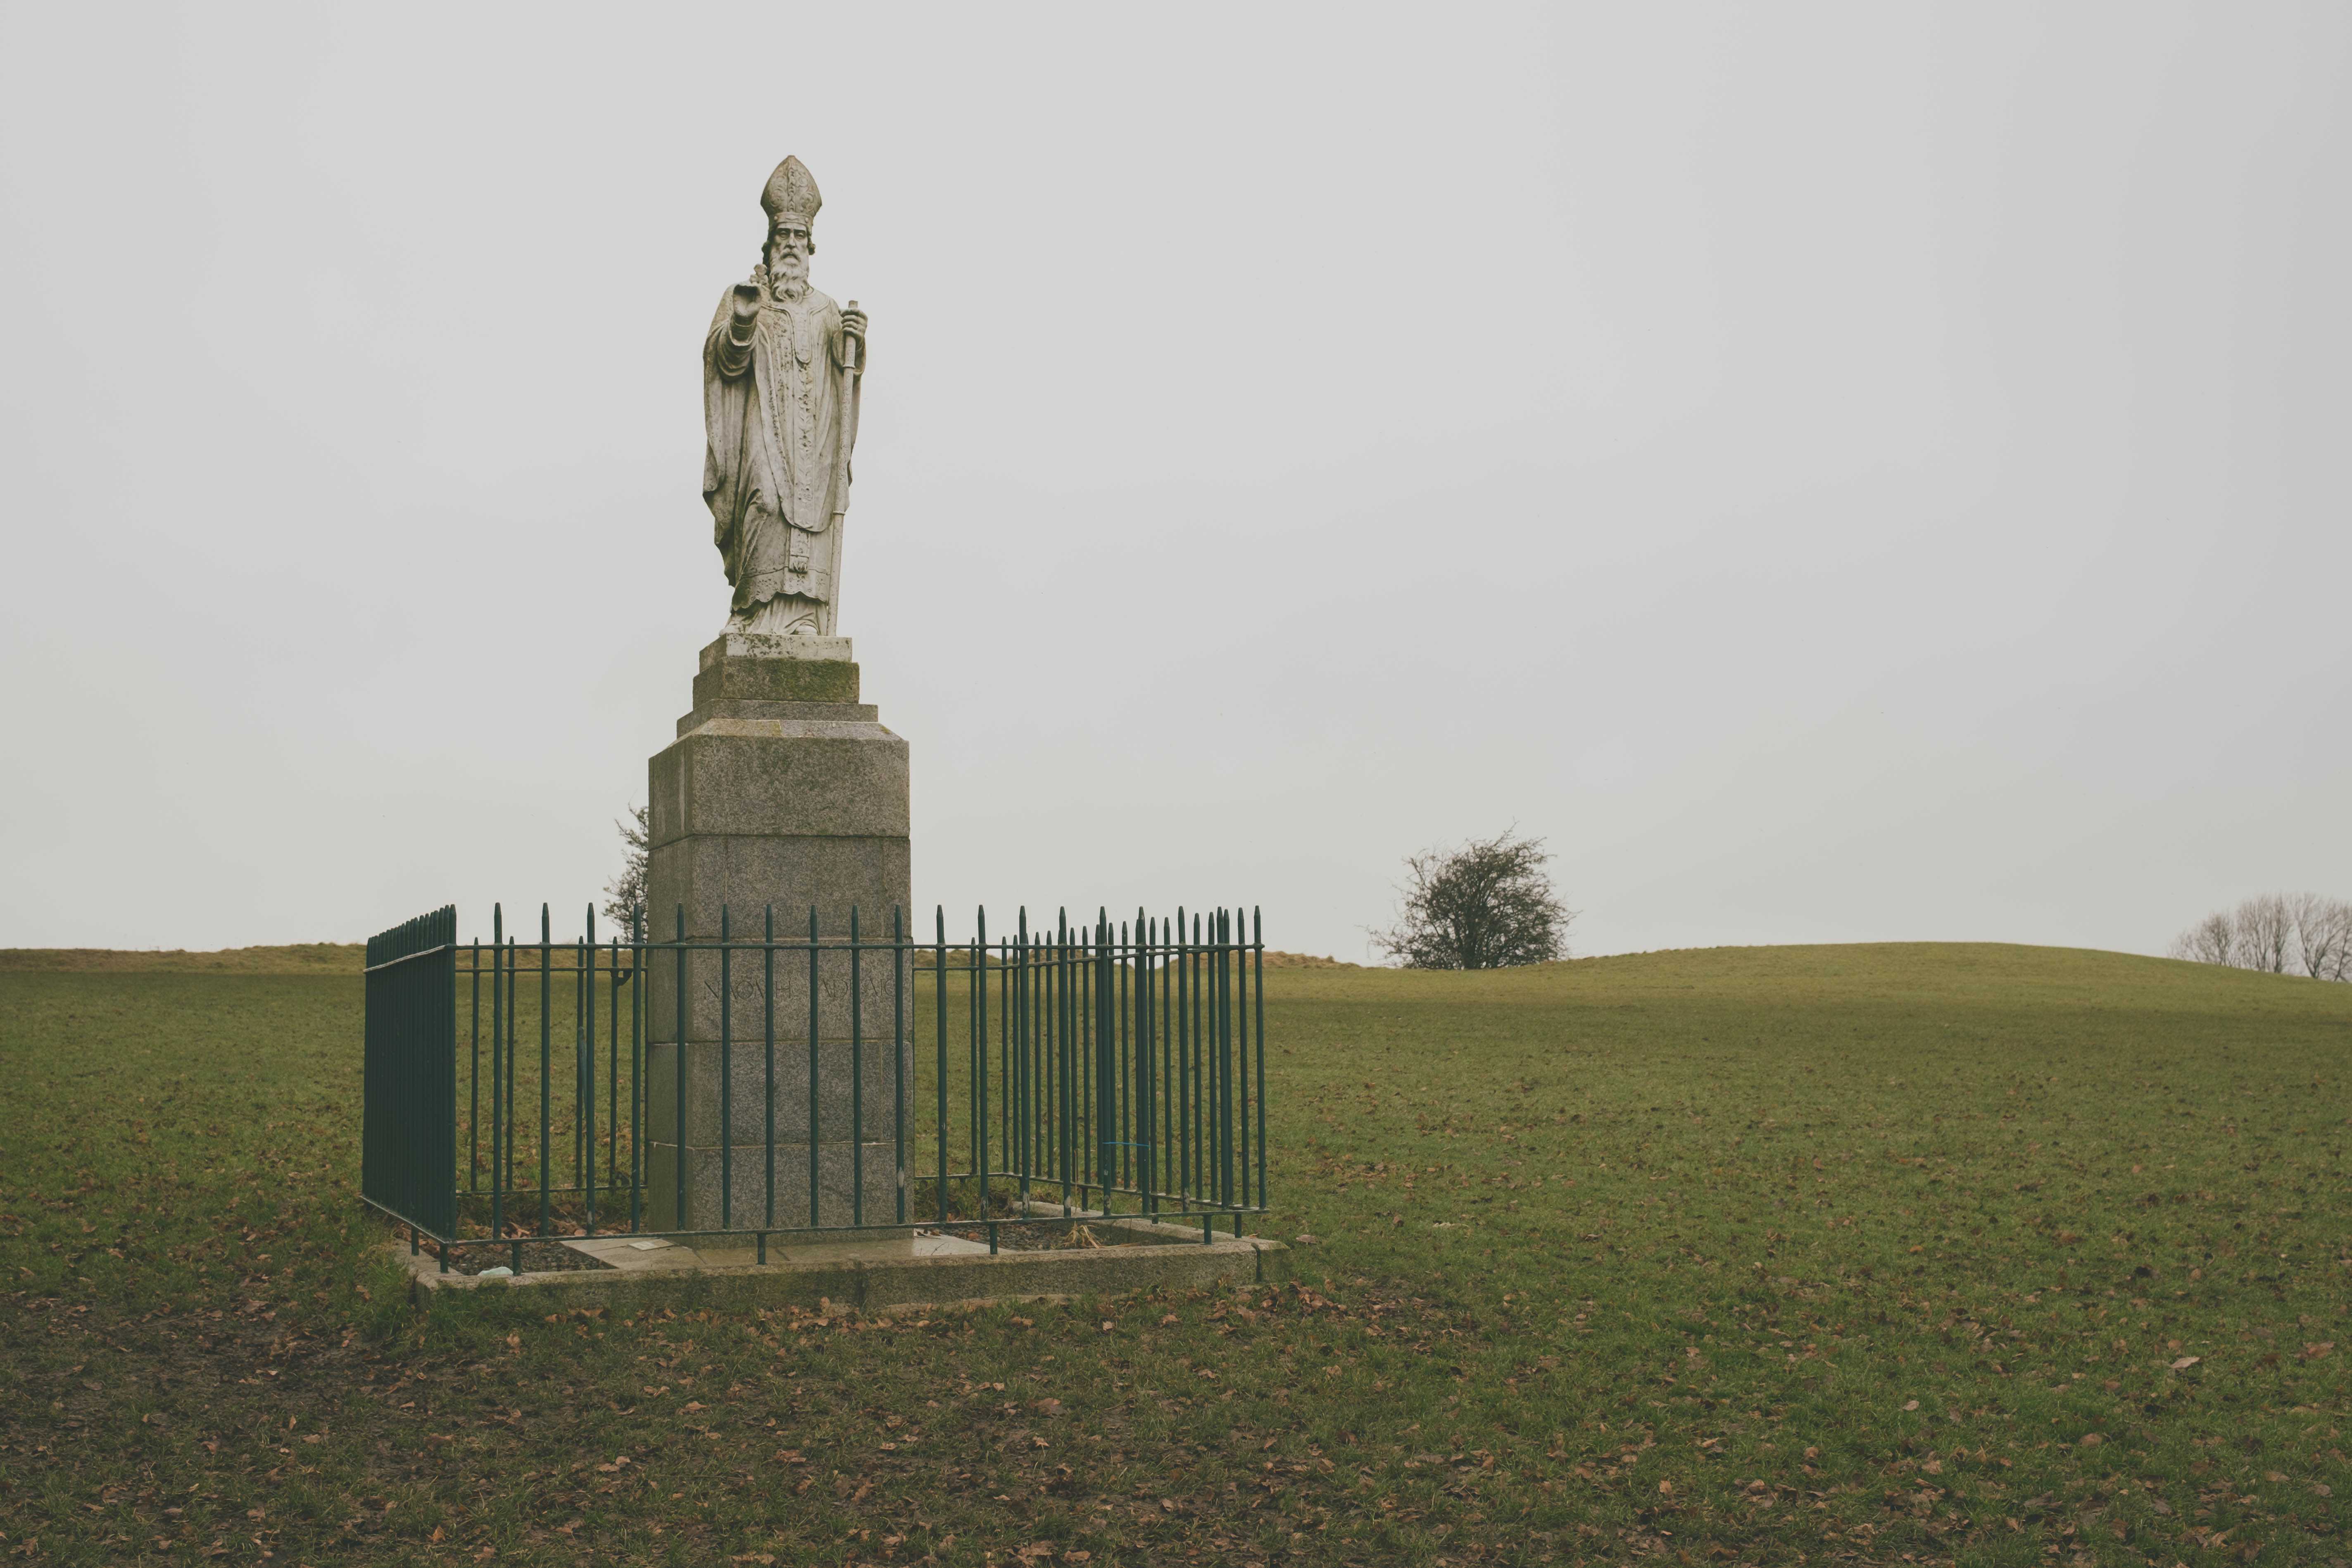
column 773, row 470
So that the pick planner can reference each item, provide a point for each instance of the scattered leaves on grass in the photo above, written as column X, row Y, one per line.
column 1711, row 1269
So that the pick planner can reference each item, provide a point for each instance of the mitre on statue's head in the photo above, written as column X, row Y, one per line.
column 791, row 192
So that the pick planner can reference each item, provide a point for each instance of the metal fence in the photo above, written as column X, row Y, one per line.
column 521, row 1089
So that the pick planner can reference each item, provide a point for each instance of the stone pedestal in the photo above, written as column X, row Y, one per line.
column 780, row 791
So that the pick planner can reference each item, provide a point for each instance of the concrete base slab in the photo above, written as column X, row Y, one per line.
column 872, row 1273
column 652, row 1255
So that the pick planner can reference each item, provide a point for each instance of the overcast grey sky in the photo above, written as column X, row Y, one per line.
column 1838, row 472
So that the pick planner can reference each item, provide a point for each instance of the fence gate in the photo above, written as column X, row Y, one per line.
column 408, row 1138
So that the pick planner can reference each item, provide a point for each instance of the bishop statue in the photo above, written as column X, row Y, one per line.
column 780, row 370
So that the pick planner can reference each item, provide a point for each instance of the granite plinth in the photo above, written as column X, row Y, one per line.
column 776, row 669
column 854, row 1098
column 782, row 793
column 842, row 1172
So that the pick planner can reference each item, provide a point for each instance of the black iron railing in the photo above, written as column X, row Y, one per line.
column 520, row 1091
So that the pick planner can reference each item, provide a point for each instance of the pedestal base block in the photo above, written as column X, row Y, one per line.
column 782, row 792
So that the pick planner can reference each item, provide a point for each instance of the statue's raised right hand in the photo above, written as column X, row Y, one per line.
column 746, row 300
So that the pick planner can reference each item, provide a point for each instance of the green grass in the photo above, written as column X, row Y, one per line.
column 1750, row 1256
column 308, row 958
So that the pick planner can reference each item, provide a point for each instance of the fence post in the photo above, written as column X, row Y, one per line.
column 1224, row 1058
column 1025, row 1078
column 812, row 1067
column 902, row 1045
column 588, row 1070
column 979, row 973
column 637, row 989
column 768, row 1037
column 677, row 1107
column 474, row 1082
column 1105, row 1102
column 1242, row 1040
column 1257, row 954
column 546, row 1063
column 939, row 1008
column 856, row 1075
column 725, row 1072
column 498, row 1070
column 1186, row 1093
column 612, row 1064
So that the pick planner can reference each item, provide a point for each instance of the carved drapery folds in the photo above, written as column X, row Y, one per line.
column 781, row 379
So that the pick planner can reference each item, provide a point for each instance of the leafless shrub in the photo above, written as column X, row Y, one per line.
column 625, row 894
column 2323, row 935
column 2211, row 940
column 1487, row 905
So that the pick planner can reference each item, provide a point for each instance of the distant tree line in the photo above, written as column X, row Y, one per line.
column 2279, row 933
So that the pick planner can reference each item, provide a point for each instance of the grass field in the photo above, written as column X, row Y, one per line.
column 1884, row 1254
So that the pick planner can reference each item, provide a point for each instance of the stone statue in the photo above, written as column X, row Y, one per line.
column 780, row 370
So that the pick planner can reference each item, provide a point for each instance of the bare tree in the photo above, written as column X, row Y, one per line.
column 2278, row 933
column 2211, row 940
column 624, row 895
column 1487, row 905
column 2265, row 933
column 2323, row 935
column 2338, row 963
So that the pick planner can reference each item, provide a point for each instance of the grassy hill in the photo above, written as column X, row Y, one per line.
column 304, row 958
column 1898, row 1252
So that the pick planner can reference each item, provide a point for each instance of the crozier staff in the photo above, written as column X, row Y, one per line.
column 782, row 370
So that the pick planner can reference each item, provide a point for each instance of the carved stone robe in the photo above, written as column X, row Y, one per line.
column 773, row 472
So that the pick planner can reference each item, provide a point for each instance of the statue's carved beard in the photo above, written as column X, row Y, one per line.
column 788, row 274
